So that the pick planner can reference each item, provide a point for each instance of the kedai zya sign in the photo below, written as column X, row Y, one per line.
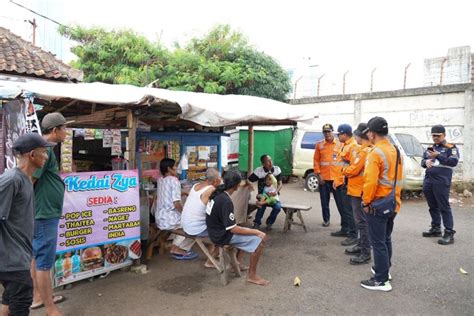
column 99, row 230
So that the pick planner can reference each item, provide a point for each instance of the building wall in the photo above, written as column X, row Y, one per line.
column 411, row 111
column 456, row 67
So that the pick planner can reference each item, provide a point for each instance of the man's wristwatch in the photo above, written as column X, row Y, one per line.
column 365, row 205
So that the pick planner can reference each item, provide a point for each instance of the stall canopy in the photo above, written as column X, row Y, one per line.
column 157, row 105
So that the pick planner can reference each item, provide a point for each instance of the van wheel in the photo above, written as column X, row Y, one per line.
column 312, row 182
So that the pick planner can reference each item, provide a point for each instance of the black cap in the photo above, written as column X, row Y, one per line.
column 377, row 124
column 438, row 129
column 359, row 131
column 28, row 142
column 328, row 128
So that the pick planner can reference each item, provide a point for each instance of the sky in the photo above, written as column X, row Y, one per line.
column 310, row 37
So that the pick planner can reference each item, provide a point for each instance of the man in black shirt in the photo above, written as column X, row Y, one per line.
column 259, row 175
column 223, row 229
column 17, row 224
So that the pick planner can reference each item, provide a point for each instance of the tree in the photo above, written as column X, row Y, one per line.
column 116, row 57
column 221, row 62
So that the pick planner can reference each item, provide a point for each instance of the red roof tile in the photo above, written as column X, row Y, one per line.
column 20, row 57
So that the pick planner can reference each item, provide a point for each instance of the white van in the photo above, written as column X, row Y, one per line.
column 411, row 150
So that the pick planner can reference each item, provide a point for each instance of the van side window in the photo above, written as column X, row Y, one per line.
column 310, row 139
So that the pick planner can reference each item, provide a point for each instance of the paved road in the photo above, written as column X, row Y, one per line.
column 426, row 277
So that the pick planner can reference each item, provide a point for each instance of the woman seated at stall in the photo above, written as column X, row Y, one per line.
column 169, row 208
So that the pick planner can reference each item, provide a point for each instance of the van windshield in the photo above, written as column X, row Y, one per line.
column 310, row 139
column 410, row 144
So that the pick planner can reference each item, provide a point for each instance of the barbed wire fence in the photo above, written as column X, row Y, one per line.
column 435, row 72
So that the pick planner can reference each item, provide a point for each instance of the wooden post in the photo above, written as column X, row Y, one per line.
column 34, row 25
column 251, row 151
column 132, row 122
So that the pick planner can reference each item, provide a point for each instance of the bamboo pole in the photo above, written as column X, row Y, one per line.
column 132, row 122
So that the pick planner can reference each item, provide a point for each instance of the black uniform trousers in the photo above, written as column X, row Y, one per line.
column 437, row 196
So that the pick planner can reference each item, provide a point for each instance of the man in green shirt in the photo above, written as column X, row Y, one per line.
column 49, row 196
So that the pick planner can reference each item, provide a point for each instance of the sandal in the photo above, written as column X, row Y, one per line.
column 56, row 300
column 59, row 298
column 190, row 255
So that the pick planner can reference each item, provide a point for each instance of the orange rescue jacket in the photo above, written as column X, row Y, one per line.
column 379, row 173
column 325, row 154
column 343, row 159
column 355, row 171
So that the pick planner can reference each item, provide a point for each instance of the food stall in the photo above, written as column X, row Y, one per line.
column 110, row 215
column 99, row 230
column 196, row 151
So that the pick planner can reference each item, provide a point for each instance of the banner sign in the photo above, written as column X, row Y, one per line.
column 100, row 227
column 20, row 118
column 2, row 142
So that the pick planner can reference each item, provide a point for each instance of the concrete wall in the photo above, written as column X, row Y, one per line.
column 411, row 111
column 456, row 67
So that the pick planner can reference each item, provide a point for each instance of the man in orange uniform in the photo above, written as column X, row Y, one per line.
column 379, row 179
column 355, row 182
column 325, row 154
column 348, row 144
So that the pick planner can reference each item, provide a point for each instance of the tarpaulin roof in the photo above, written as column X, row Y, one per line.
column 205, row 109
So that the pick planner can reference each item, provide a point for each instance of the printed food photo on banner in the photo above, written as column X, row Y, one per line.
column 115, row 253
column 92, row 258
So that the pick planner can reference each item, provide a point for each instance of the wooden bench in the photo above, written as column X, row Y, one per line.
column 290, row 210
column 227, row 254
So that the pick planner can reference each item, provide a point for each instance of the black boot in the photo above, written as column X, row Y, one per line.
column 448, row 237
column 361, row 259
column 435, row 231
column 340, row 233
column 349, row 241
column 355, row 250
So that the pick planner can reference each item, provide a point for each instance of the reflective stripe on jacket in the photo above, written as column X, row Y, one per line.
column 355, row 171
column 379, row 173
column 343, row 159
column 325, row 154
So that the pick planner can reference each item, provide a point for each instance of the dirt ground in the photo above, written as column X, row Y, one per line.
column 426, row 276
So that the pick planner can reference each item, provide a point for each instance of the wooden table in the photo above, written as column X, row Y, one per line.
column 290, row 210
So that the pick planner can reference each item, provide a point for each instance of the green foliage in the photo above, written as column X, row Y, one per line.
column 116, row 57
column 221, row 62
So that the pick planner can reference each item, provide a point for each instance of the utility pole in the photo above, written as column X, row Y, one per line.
column 34, row 25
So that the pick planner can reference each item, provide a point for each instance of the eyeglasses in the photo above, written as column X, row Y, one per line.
column 436, row 135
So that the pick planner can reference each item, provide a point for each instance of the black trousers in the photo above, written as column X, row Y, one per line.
column 347, row 216
column 18, row 293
